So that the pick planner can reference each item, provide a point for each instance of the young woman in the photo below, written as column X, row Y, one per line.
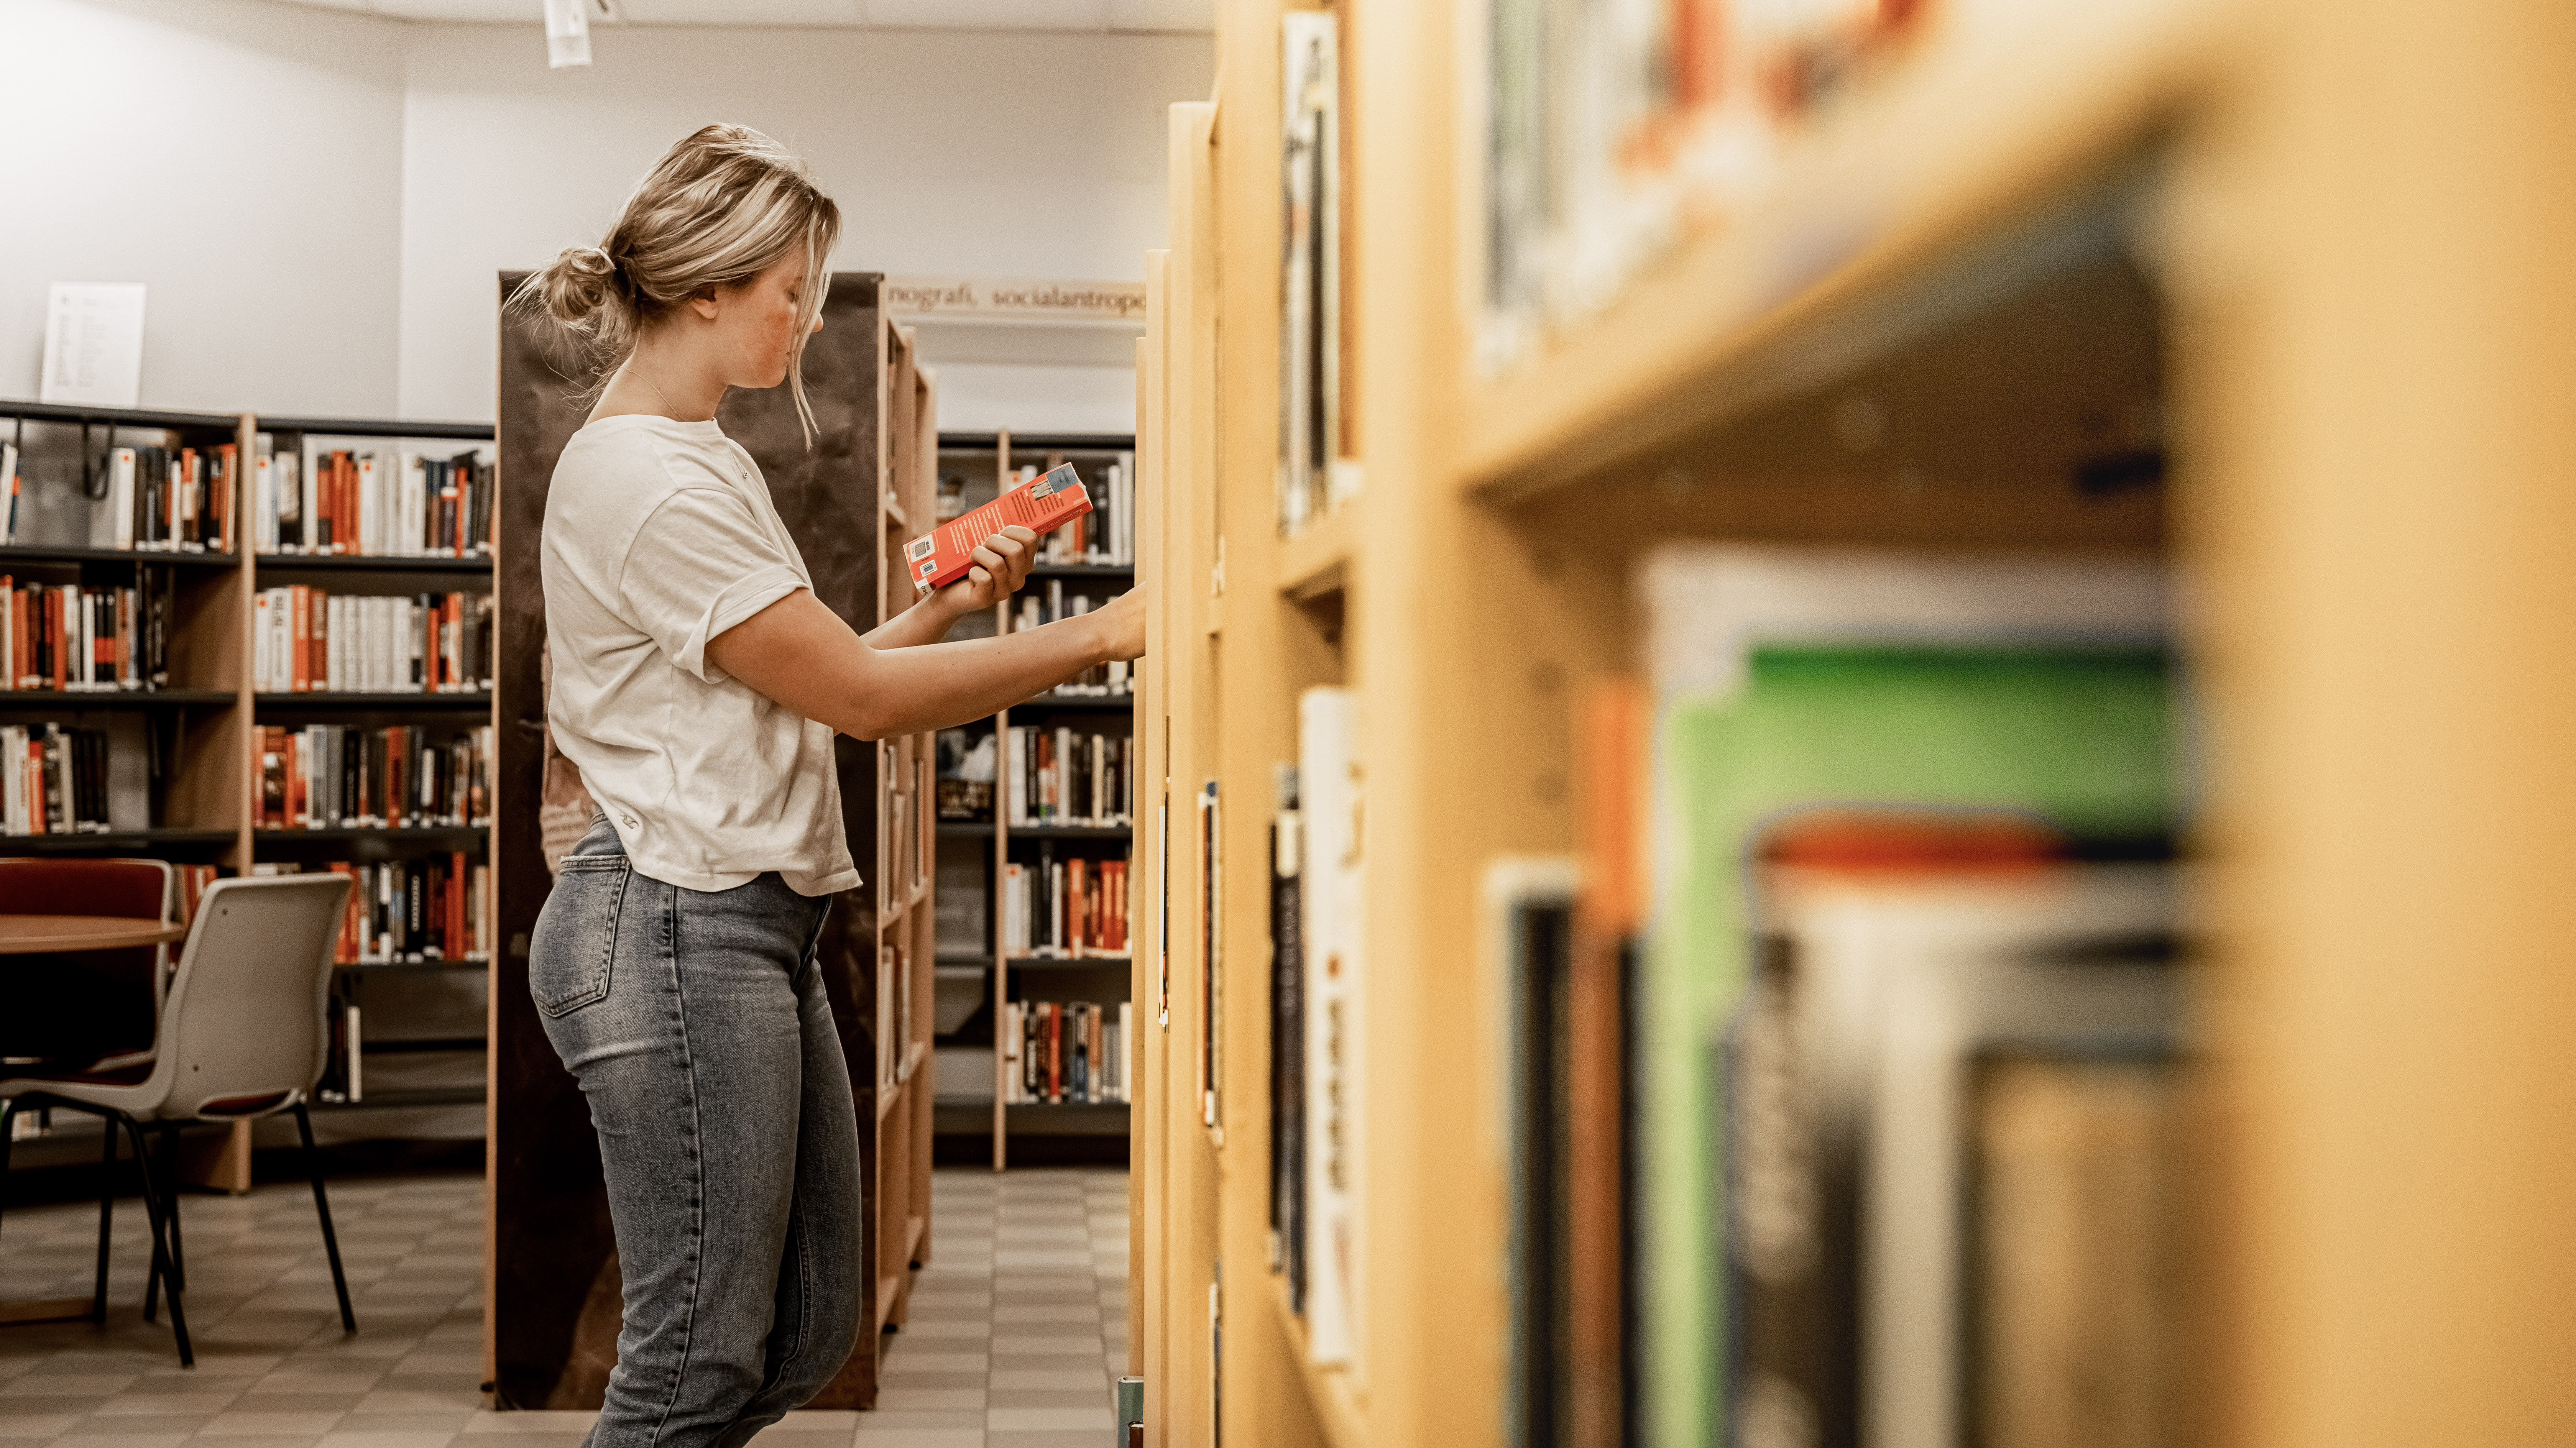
column 697, row 682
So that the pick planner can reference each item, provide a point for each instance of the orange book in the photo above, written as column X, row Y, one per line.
column 16, row 643
column 318, row 647
column 296, row 818
column 299, row 637
column 943, row 555
column 346, row 952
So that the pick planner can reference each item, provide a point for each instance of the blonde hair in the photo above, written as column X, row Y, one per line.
column 717, row 210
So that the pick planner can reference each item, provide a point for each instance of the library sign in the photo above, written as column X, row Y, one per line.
column 1003, row 299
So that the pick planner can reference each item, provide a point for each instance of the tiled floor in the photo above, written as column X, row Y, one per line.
column 1018, row 1326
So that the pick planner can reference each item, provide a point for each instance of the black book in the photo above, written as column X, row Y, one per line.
column 1288, row 1043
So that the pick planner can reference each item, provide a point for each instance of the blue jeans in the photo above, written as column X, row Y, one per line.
column 696, row 1023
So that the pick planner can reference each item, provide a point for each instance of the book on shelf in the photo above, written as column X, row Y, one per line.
column 1070, row 908
column 1953, row 1116
column 372, row 502
column 1056, row 1053
column 1042, row 505
column 1332, row 908
column 310, row 640
column 1063, row 776
column 1042, row 606
column 894, row 1016
column 325, row 776
column 9, row 490
column 964, row 781
column 78, row 638
column 1287, row 1042
column 56, row 779
column 172, row 500
column 408, row 912
column 1788, row 678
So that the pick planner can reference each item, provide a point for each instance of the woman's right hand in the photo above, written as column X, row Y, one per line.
column 1121, row 622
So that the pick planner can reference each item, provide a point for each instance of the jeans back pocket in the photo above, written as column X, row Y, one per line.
column 575, row 941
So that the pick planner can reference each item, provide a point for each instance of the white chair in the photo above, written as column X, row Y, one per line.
column 243, row 1034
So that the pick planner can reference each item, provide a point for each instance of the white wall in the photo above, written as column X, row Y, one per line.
column 238, row 158
column 381, row 174
column 951, row 153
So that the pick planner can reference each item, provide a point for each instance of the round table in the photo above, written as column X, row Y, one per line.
column 32, row 934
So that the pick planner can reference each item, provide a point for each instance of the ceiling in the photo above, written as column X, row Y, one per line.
column 1194, row 16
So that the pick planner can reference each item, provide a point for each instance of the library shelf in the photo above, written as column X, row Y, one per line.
column 377, row 427
column 372, row 563
column 120, row 841
column 1065, row 703
column 1043, row 962
column 432, row 967
column 418, row 1096
column 46, row 553
column 382, row 703
column 371, row 834
column 1069, row 1118
column 423, row 1045
column 77, row 413
column 1082, row 570
column 75, row 701
column 1317, row 562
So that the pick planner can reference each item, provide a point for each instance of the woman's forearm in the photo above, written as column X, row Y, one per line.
column 801, row 654
column 926, row 622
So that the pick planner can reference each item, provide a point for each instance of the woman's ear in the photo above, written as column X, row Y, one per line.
column 704, row 304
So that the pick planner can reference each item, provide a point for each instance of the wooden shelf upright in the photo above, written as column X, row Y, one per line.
column 2299, row 255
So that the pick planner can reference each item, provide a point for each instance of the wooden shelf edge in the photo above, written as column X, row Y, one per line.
column 888, row 1289
column 1328, row 1390
column 1318, row 561
column 1956, row 148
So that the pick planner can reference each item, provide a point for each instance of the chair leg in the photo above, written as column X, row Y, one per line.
column 106, row 1216
column 322, row 1209
column 170, row 1194
column 152, row 1207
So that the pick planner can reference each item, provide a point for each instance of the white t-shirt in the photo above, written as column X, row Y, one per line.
column 659, row 536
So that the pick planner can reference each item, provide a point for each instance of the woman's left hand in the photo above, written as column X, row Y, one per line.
column 1000, row 566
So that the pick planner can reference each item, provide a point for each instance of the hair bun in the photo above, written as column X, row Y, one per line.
column 578, row 283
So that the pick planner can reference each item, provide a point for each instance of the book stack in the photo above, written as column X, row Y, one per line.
column 82, row 639
column 172, row 500
column 1060, row 777
column 54, row 779
column 1067, row 908
column 1105, row 536
column 309, row 640
column 326, row 776
column 400, row 505
column 1039, row 608
column 1059, row 1052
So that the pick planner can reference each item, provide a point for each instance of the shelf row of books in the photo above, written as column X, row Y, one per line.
column 1062, row 776
column 1064, row 908
column 310, row 640
column 326, row 776
column 345, row 501
column 408, row 912
column 1903, row 1047
column 1064, row 1052
column 53, row 779
column 79, row 639
column 1039, row 608
column 172, row 500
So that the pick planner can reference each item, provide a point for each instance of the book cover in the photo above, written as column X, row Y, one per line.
column 1333, row 900
column 944, row 554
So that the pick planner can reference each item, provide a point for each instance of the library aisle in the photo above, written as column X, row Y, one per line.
column 1018, row 1326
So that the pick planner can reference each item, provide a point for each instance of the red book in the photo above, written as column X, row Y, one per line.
column 944, row 554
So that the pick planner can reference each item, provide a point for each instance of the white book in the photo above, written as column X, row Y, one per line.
column 371, row 529
column 263, row 484
column 8, row 492
column 335, row 643
column 357, row 1056
column 120, row 496
column 281, row 633
column 1332, row 904
column 412, row 662
column 13, row 779
column 305, row 490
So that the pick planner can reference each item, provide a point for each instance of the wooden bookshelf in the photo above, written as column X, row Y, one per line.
column 987, row 462
column 2032, row 223
column 202, row 810
column 847, row 501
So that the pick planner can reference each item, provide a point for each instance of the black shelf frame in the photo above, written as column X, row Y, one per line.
column 80, row 413
column 117, row 841
column 424, row 1096
column 470, row 565
column 375, row 703
column 353, row 834
column 366, row 967
column 1105, row 442
column 48, row 553
column 75, row 701
column 1096, row 703
column 373, row 427
column 960, row 830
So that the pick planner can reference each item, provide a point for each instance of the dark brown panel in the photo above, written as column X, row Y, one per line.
column 555, row 1290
